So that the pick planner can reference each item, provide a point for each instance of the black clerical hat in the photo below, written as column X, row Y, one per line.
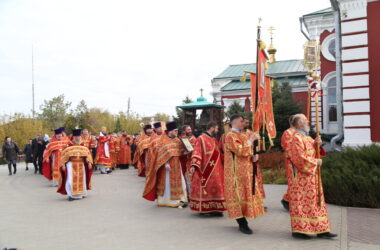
column 171, row 126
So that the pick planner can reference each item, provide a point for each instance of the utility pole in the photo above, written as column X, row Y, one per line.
column 33, row 110
column 129, row 106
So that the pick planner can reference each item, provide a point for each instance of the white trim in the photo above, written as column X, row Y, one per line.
column 329, row 127
column 353, row 94
column 315, row 25
column 355, row 40
column 325, row 47
column 357, row 120
column 357, row 137
column 351, row 9
column 355, row 54
column 354, row 26
column 356, row 80
column 356, row 107
column 355, row 67
column 299, row 89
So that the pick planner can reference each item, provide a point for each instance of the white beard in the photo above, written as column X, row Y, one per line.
column 306, row 129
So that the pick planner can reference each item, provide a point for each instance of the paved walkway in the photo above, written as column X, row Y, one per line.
column 114, row 216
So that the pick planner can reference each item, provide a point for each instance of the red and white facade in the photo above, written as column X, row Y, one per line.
column 360, row 54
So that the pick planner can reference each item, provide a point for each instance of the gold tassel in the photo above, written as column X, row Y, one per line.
column 262, row 45
column 263, row 143
column 271, row 142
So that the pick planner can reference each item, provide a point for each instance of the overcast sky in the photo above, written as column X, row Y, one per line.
column 156, row 52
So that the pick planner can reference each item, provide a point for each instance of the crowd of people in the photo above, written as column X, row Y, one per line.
column 210, row 176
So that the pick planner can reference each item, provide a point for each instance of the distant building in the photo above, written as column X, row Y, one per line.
column 350, row 65
column 350, row 72
column 227, row 87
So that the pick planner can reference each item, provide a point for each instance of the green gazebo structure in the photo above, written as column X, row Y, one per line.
column 210, row 112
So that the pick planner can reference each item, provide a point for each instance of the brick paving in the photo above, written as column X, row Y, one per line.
column 114, row 216
column 364, row 225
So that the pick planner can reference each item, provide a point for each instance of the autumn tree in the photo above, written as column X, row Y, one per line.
column 21, row 128
column 98, row 118
column 54, row 112
column 161, row 117
column 130, row 123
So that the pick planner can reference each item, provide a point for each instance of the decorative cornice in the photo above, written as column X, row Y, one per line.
column 352, row 4
column 316, row 24
column 351, row 9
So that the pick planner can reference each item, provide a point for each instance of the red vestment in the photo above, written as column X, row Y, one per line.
column 114, row 150
column 167, row 150
column 207, row 181
column 221, row 146
column 103, row 156
column 79, row 156
column 52, row 154
column 88, row 141
column 141, row 156
column 285, row 144
column 150, row 153
column 238, row 174
column 259, row 177
column 124, row 156
column 308, row 213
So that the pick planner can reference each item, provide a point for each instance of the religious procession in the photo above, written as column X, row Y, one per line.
column 285, row 156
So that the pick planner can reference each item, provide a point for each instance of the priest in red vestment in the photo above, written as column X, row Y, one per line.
column 52, row 156
column 186, row 159
column 206, row 174
column 114, row 150
column 87, row 140
column 243, row 199
column 285, row 144
column 308, row 213
column 166, row 183
column 141, row 156
column 103, row 156
column 124, row 155
column 158, row 131
column 76, row 169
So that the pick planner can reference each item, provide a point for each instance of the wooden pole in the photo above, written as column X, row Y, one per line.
column 317, row 123
column 254, row 108
column 308, row 103
column 318, row 151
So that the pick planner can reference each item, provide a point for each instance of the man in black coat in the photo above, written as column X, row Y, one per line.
column 35, row 152
column 10, row 152
column 41, row 145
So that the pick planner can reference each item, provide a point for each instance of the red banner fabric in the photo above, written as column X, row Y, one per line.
column 263, row 113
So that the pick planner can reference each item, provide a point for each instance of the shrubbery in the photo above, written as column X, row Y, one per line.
column 272, row 166
column 352, row 177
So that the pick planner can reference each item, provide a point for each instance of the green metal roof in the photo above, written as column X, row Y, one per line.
column 294, row 81
column 319, row 12
column 200, row 103
column 285, row 68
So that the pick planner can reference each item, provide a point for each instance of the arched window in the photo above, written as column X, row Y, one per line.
column 328, row 47
column 331, row 99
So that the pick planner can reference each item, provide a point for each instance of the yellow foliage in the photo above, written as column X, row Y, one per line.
column 131, row 123
column 21, row 130
column 99, row 118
